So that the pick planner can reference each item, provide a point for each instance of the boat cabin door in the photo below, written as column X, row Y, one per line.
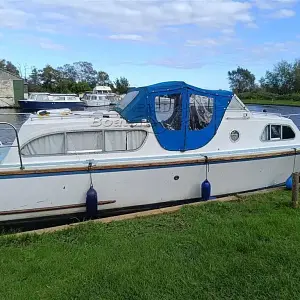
column 168, row 113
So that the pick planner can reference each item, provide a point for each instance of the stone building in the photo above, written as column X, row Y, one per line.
column 11, row 89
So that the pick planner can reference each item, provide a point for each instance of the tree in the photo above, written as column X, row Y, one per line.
column 282, row 79
column 86, row 73
column 297, row 75
column 103, row 78
column 9, row 66
column 34, row 83
column 241, row 80
column 121, row 85
column 2, row 64
column 68, row 72
column 50, row 78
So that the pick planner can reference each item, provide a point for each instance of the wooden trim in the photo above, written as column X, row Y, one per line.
column 43, row 209
column 151, row 164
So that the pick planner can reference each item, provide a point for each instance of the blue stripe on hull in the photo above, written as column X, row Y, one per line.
column 37, row 105
column 134, row 168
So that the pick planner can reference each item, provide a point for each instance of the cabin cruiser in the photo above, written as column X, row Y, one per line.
column 37, row 101
column 96, row 100
column 158, row 146
column 102, row 90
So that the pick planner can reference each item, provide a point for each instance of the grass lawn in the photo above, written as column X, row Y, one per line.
column 248, row 249
column 272, row 102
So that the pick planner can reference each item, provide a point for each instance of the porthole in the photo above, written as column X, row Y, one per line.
column 234, row 135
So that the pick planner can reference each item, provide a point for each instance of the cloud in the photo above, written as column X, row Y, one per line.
column 208, row 42
column 54, row 16
column 228, row 31
column 271, row 50
column 50, row 45
column 47, row 28
column 13, row 18
column 128, row 15
column 274, row 4
column 252, row 25
column 283, row 13
column 129, row 37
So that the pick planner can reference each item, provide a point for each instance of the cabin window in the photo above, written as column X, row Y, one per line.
column 287, row 133
column 45, row 145
column 86, row 141
column 168, row 111
column 94, row 97
column 277, row 132
column 201, row 111
column 41, row 97
column 121, row 140
column 71, row 98
column 59, row 98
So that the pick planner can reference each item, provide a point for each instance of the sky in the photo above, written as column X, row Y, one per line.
column 150, row 41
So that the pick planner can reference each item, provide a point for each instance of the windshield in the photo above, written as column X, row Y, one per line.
column 127, row 99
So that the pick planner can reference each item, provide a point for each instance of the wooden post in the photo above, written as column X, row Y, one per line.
column 295, row 190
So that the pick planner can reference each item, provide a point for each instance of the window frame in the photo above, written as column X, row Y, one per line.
column 281, row 131
column 207, row 107
column 82, row 152
column 170, row 94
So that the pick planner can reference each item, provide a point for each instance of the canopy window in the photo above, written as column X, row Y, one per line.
column 168, row 110
column 235, row 104
column 201, row 111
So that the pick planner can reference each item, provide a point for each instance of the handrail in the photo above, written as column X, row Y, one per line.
column 290, row 115
column 18, row 142
column 12, row 114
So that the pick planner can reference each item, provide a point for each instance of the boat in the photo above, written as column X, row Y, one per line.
column 159, row 145
column 103, row 90
column 96, row 100
column 37, row 101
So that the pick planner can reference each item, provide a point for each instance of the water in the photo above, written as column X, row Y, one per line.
column 7, row 135
column 17, row 117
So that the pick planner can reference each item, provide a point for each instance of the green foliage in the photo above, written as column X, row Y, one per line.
column 283, row 79
column 76, row 78
column 261, row 96
column 121, row 85
column 9, row 66
column 103, row 78
column 247, row 249
column 241, row 80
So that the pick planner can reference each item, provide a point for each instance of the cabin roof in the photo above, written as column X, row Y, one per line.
column 139, row 108
column 171, row 85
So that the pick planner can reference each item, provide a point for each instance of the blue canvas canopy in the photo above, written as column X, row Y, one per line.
column 183, row 117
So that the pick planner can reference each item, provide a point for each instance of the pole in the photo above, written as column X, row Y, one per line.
column 295, row 190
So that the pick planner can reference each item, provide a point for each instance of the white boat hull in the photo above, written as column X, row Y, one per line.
column 62, row 193
column 97, row 103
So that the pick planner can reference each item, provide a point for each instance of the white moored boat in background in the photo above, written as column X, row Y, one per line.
column 155, row 148
column 97, row 100
column 37, row 101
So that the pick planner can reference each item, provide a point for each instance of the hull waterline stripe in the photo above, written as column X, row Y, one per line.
column 43, row 209
column 138, row 166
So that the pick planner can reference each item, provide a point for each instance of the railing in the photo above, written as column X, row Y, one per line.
column 290, row 115
column 18, row 142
